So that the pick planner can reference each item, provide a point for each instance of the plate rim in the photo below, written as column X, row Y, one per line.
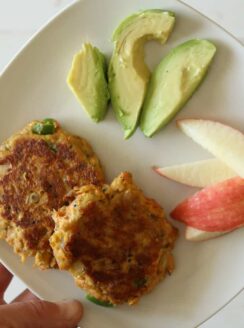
column 242, row 46
column 53, row 18
column 45, row 26
column 41, row 29
column 213, row 22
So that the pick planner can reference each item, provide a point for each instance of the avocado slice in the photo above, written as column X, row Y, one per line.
column 128, row 73
column 173, row 82
column 87, row 80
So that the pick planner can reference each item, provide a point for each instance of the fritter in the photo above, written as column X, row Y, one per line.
column 38, row 167
column 114, row 241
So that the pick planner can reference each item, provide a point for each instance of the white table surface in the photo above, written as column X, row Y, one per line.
column 19, row 19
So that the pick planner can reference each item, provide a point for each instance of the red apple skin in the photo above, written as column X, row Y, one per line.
column 216, row 208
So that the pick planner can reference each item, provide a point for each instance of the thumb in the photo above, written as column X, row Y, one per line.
column 41, row 314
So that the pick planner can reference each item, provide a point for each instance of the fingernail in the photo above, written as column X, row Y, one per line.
column 71, row 310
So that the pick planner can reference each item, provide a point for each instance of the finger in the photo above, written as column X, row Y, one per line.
column 25, row 296
column 41, row 314
column 5, row 278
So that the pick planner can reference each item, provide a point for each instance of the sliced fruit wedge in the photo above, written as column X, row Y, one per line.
column 193, row 234
column 197, row 174
column 173, row 82
column 223, row 141
column 128, row 73
column 218, row 208
column 87, row 80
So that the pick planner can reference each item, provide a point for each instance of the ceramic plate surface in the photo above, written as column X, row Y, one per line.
column 207, row 274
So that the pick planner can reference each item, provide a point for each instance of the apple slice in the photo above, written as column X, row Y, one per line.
column 193, row 234
column 197, row 174
column 224, row 142
column 217, row 208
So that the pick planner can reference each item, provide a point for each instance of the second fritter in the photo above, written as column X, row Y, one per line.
column 115, row 241
column 38, row 167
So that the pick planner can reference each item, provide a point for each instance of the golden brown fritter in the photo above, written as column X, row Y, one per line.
column 36, row 172
column 115, row 242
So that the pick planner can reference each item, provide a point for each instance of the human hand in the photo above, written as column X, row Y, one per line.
column 27, row 311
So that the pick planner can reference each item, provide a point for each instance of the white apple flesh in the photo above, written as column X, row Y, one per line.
column 194, row 234
column 197, row 174
column 223, row 141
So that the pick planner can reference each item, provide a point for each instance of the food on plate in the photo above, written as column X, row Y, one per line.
column 218, row 208
column 223, row 141
column 128, row 73
column 38, row 167
column 193, row 234
column 47, row 126
column 98, row 302
column 197, row 174
column 173, row 82
column 87, row 80
column 114, row 241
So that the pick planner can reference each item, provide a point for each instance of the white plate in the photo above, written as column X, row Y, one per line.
column 33, row 86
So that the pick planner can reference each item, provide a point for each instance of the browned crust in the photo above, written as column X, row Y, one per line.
column 42, row 169
column 120, row 238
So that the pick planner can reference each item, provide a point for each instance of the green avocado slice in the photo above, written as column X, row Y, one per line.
column 128, row 73
column 87, row 80
column 173, row 82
